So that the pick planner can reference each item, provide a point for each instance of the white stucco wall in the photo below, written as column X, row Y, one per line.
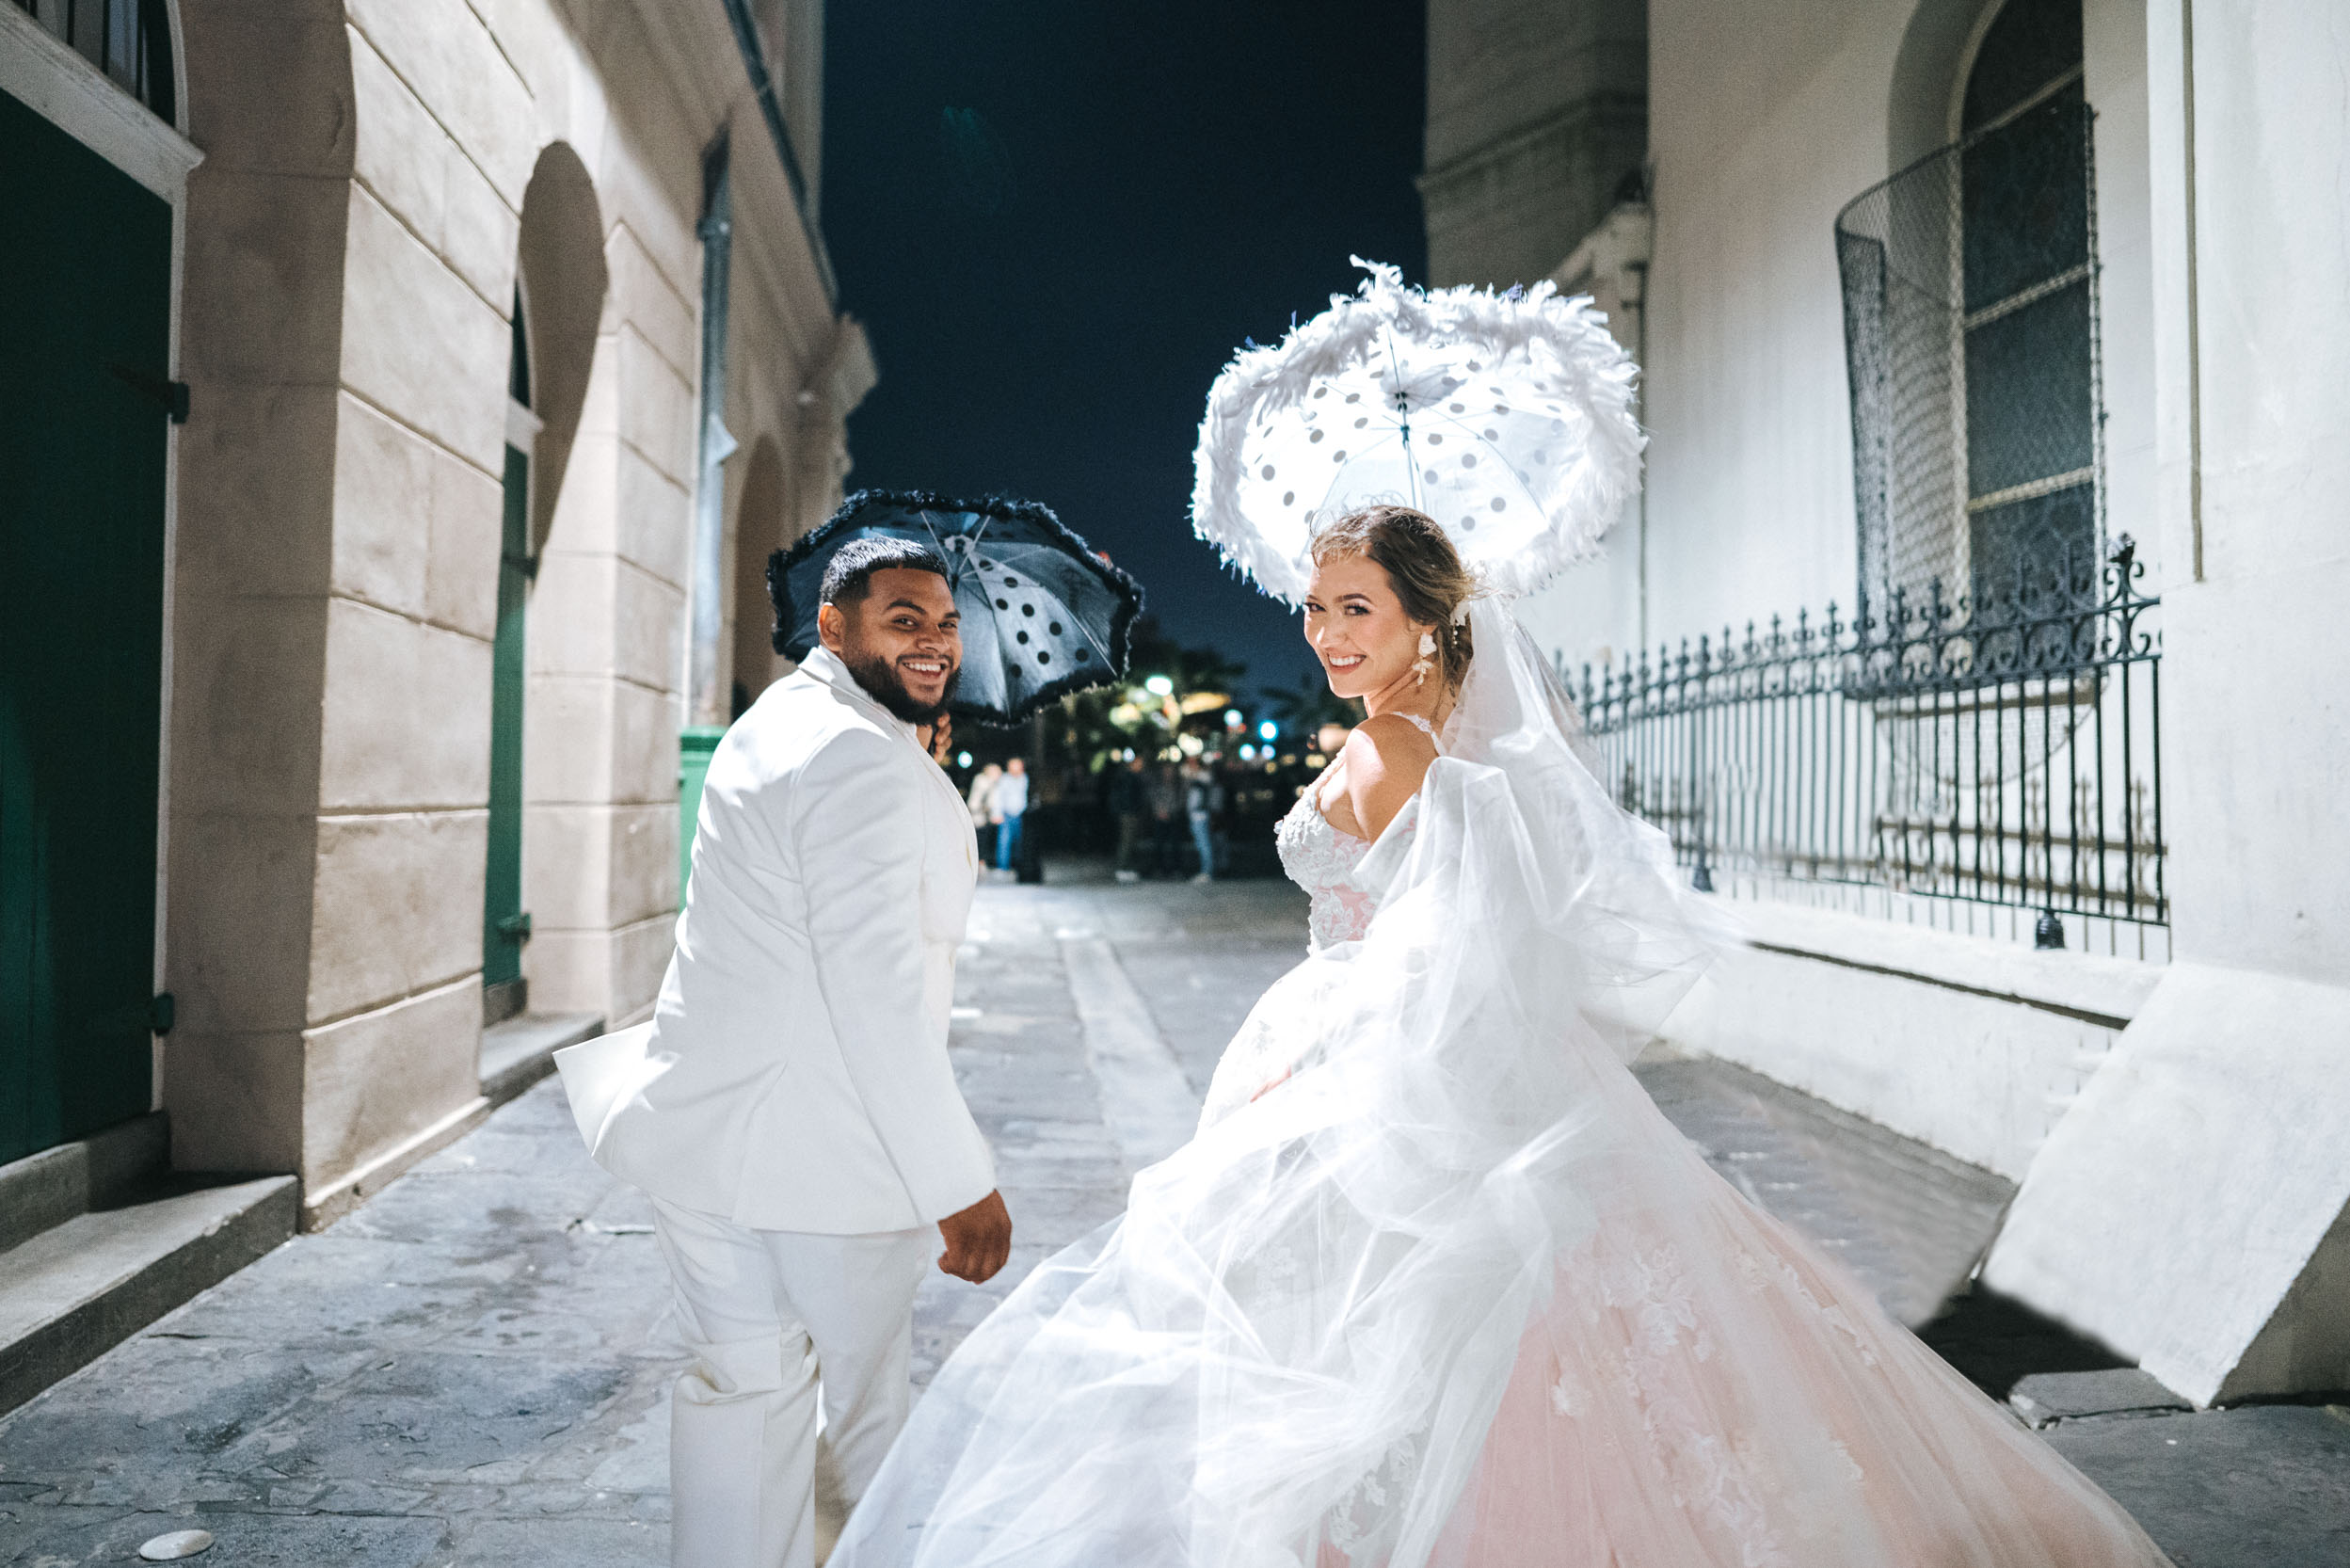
column 1591, row 613
column 2256, row 711
column 1766, row 117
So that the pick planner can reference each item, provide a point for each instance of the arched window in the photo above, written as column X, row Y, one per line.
column 2028, row 297
column 128, row 39
column 1971, row 332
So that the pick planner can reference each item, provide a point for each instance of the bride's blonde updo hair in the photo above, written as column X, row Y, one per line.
column 1421, row 566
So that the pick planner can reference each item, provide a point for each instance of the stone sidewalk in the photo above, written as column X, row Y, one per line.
column 473, row 1369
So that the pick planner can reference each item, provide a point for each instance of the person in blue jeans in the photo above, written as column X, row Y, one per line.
column 1008, row 807
column 1203, row 798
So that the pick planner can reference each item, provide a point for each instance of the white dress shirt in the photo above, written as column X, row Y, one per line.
column 794, row 1076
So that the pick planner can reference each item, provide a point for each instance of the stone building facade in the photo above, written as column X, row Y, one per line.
column 437, row 284
column 1537, row 124
column 2170, row 1099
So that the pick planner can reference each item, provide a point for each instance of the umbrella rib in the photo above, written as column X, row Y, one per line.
column 1403, row 413
column 1525, row 485
column 939, row 545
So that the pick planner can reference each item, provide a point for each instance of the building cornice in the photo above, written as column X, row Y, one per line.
column 697, row 57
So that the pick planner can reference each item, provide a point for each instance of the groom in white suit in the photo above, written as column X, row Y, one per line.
column 789, row 1109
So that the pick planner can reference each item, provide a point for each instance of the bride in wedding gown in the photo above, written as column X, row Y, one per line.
column 1435, row 1284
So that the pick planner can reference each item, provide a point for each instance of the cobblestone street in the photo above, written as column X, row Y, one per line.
column 473, row 1367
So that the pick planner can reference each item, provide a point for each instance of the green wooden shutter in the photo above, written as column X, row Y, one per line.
column 504, row 927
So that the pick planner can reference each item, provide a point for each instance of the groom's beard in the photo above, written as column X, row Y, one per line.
column 879, row 678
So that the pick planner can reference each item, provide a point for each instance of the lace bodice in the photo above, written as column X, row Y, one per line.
column 1319, row 858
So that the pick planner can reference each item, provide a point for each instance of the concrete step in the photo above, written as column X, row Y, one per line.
column 49, row 1188
column 82, row 1286
column 521, row 1050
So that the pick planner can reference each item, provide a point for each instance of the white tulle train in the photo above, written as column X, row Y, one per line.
column 1450, row 1290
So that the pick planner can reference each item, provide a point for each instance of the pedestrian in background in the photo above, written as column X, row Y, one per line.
column 1129, row 802
column 1232, row 787
column 1007, row 809
column 982, row 804
column 1203, row 798
column 1164, row 792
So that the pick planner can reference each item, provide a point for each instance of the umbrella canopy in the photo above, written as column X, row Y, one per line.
column 1505, row 417
column 1043, row 616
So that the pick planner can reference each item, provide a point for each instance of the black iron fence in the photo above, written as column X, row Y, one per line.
column 2002, row 749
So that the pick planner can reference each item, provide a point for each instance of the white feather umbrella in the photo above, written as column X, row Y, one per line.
column 1505, row 417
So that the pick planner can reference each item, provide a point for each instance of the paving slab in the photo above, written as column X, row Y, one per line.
column 1910, row 1221
column 2263, row 1486
column 474, row 1366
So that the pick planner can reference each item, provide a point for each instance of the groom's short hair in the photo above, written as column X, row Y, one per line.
column 849, row 575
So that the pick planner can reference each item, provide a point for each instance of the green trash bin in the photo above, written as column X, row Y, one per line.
column 693, row 748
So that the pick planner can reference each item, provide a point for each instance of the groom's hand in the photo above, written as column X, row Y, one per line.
column 978, row 1240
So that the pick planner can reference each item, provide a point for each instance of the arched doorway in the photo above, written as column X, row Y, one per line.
column 759, row 527
column 86, row 358
column 558, row 299
column 505, row 924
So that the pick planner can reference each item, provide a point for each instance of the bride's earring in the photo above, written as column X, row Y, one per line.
column 1426, row 662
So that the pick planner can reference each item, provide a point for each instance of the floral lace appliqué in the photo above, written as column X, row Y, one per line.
column 1362, row 1517
column 1319, row 858
column 1711, row 1477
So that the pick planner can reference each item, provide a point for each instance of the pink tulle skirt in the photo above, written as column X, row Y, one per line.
column 1703, row 1388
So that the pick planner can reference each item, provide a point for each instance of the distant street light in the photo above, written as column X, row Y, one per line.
column 1158, row 685
column 1270, row 731
column 962, row 759
column 1233, row 718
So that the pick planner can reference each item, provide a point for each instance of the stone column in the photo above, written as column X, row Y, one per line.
column 260, row 303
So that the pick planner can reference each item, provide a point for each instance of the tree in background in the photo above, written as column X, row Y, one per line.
column 1174, row 703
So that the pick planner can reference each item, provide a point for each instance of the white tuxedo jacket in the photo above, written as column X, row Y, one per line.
column 795, row 1074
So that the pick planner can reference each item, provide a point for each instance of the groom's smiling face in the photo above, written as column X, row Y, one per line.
column 901, row 639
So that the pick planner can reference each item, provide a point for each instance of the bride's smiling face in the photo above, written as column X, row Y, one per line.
column 1357, row 626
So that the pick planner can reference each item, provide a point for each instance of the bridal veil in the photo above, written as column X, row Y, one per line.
column 1300, row 1333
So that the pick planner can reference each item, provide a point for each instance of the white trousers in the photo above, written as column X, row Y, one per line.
column 782, row 1323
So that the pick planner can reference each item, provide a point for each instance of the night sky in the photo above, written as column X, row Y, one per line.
column 1058, row 219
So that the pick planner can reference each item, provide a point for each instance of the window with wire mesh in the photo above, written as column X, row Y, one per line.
column 128, row 39
column 1969, row 293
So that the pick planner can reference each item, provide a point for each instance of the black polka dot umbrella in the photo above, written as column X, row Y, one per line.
column 1042, row 614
